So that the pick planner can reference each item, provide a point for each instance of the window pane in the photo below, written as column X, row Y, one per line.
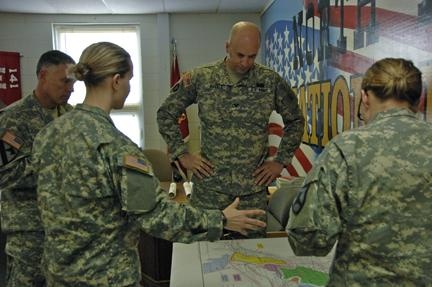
column 75, row 39
column 128, row 123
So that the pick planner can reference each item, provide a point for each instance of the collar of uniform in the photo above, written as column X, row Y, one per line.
column 394, row 112
column 94, row 110
column 223, row 77
column 32, row 101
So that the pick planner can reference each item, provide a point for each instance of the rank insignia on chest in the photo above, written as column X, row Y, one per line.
column 132, row 162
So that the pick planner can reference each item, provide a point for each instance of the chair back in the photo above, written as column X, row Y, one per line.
column 160, row 162
column 279, row 205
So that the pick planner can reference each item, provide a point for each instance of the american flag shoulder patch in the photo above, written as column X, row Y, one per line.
column 136, row 163
column 11, row 139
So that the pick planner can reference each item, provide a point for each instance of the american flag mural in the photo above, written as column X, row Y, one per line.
column 323, row 47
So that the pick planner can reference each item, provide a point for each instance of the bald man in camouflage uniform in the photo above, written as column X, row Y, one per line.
column 235, row 98
column 19, row 124
column 370, row 191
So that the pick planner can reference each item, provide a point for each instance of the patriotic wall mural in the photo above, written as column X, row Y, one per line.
column 323, row 47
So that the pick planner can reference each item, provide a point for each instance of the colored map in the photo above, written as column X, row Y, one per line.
column 260, row 262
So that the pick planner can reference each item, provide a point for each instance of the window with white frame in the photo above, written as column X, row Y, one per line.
column 74, row 38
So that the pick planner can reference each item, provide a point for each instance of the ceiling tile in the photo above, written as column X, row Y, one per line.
column 79, row 6
column 190, row 6
column 132, row 6
column 250, row 6
column 136, row 6
column 26, row 6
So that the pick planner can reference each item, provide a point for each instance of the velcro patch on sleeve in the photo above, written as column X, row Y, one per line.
column 300, row 200
column 140, row 192
column 137, row 164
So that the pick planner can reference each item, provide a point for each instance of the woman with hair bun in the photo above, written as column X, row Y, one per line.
column 370, row 189
column 96, row 189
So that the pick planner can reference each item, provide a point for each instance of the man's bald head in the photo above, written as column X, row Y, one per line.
column 244, row 29
column 242, row 46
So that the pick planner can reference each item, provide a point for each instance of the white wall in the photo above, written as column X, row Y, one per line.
column 200, row 39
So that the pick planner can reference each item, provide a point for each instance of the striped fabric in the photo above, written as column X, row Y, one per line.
column 301, row 163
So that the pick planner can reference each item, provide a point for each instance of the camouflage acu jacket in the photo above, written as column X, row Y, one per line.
column 23, row 119
column 234, row 119
column 371, row 191
column 96, row 190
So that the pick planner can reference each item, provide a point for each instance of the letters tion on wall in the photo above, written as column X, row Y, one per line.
column 323, row 48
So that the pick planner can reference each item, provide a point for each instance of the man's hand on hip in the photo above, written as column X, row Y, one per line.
column 197, row 164
column 267, row 172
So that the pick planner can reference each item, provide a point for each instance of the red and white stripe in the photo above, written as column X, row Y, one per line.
column 303, row 157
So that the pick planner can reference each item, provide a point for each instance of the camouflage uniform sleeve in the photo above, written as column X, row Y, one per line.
column 145, row 202
column 181, row 96
column 181, row 222
column 17, row 174
column 286, row 103
column 14, row 159
column 315, row 223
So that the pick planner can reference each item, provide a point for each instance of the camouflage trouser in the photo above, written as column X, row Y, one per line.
column 214, row 200
column 24, row 253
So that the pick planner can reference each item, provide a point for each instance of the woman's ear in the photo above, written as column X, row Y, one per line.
column 365, row 98
column 116, row 81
